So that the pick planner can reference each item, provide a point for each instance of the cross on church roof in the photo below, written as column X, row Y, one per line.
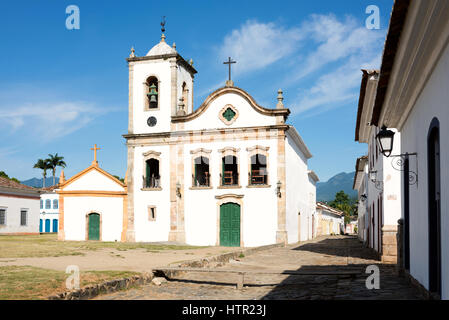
column 229, row 62
column 95, row 162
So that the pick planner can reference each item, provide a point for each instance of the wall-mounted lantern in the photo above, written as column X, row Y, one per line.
column 178, row 189
column 385, row 139
column 278, row 189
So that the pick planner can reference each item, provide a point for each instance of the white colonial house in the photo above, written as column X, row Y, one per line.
column 413, row 99
column 361, row 185
column 230, row 173
column 377, row 178
column 329, row 221
column 19, row 208
column 49, row 211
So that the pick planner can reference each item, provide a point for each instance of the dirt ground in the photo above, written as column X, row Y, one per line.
column 90, row 256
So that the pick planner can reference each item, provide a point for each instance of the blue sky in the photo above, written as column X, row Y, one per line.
column 64, row 90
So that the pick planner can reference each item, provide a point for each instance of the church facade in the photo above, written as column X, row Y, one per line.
column 230, row 173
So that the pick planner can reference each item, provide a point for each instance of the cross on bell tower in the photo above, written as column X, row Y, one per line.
column 229, row 82
column 95, row 162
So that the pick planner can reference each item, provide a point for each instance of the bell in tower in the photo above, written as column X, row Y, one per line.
column 152, row 96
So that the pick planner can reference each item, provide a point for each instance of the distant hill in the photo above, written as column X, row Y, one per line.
column 37, row 183
column 325, row 191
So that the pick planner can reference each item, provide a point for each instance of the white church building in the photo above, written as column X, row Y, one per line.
column 230, row 173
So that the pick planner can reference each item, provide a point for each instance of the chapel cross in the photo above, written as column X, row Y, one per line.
column 95, row 153
column 229, row 62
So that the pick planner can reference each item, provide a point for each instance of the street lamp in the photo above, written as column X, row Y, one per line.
column 385, row 140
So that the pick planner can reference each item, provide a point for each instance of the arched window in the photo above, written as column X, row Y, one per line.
column 152, row 93
column 152, row 178
column 201, row 176
column 48, row 204
column 230, row 175
column 258, row 174
column 42, row 204
column 55, row 204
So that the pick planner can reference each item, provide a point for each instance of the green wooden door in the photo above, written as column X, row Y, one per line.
column 230, row 225
column 94, row 226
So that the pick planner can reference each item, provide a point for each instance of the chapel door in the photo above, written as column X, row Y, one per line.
column 40, row 225
column 94, row 226
column 55, row 225
column 47, row 225
column 230, row 225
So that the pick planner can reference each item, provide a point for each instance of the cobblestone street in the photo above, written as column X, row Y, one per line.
column 326, row 268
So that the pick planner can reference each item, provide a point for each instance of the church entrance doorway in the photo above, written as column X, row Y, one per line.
column 230, row 225
column 94, row 226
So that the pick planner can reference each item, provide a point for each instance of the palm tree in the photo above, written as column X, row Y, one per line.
column 44, row 166
column 55, row 161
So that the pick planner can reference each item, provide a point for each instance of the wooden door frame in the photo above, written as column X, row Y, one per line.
column 100, row 238
column 229, row 198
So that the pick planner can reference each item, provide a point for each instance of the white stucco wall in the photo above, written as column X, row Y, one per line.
column 146, row 230
column 111, row 216
column 247, row 115
column 161, row 70
column 93, row 180
column 13, row 207
column 298, row 188
column 50, row 214
column 433, row 102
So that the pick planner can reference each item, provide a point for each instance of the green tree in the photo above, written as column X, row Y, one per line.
column 54, row 162
column 343, row 203
column 4, row 175
column 44, row 166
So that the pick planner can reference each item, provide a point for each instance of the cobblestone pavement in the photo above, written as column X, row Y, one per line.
column 326, row 262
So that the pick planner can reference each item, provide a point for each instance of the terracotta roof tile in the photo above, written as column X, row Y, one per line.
column 4, row 182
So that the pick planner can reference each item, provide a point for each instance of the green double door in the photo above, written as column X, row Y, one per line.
column 230, row 225
column 94, row 226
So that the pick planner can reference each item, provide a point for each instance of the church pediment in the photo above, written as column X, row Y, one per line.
column 230, row 104
column 93, row 178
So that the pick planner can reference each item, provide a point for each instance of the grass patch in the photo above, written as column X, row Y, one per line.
column 47, row 245
column 31, row 283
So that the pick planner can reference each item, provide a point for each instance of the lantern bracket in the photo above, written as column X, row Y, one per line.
column 398, row 163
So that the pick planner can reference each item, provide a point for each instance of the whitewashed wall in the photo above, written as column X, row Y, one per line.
column 297, row 185
column 13, row 207
column 433, row 102
column 111, row 215
column 146, row 230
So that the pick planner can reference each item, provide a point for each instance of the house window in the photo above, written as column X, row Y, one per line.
column 151, row 213
column 152, row 177
column 258, row 173
column 55, row 204
column 152, row 93
column 23, row 217
column 2, row 217
column 48, row 204
column 230, row 175
column 201, row 176
column 42, row 204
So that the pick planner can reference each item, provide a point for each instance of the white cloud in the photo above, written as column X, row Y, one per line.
column 49, row 121
column 337, row 40
column 256, row 45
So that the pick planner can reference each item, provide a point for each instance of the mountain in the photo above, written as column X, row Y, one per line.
column 37, row 183
column 325, row 191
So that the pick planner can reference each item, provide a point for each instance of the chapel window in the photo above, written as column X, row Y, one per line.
column 152, row 178
column 42, row 204
column 55, row 204
column 229, row 176
column 201, row 175
column 48, row 204
column 258, row 173
column 152, row 93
